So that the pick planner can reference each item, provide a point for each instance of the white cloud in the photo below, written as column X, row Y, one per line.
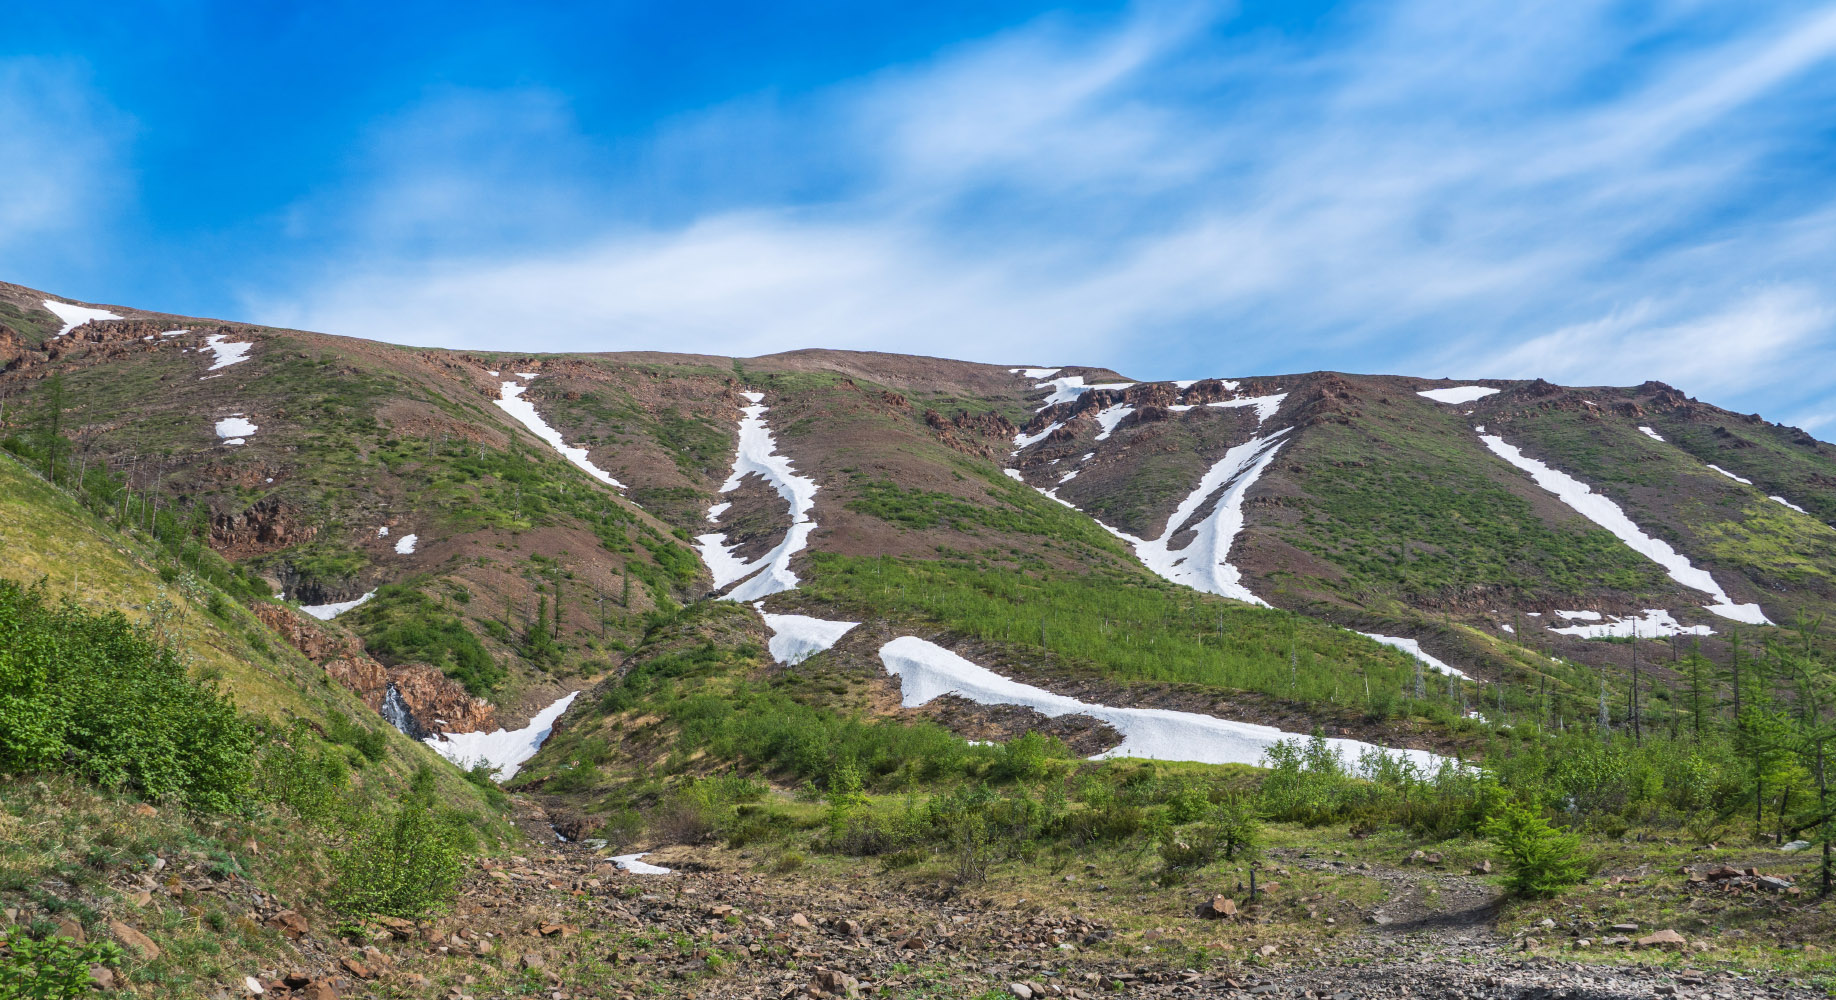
column 60, row 167
column 1560, row 191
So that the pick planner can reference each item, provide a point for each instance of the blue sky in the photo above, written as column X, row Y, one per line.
column 1587, row 192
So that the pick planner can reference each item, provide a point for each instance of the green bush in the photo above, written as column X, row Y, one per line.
column 403, row 865
column 1541, row 860
column 98, row 695
column 303, row 773
column 371, row 743
column 55, row 968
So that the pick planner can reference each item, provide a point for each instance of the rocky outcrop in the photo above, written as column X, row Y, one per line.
column 984, row 435
column 438, row 703
column 416, row 697
column 269, row 525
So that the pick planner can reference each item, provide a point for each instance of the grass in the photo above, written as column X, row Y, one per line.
column 403, row 624
column 1122, row 625
column 1416, row 515
column 1008, row 508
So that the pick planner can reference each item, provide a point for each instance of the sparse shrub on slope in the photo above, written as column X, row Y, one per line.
column 403, row 864
column 52, row 968
column 97, row 694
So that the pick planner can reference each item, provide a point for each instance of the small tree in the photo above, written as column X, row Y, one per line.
column 1542, row 860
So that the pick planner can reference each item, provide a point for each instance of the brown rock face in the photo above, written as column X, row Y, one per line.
column 265, row 527
column 440, row 704
column 320, row 642
column 980, row 434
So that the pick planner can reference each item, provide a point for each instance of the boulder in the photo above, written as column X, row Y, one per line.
column 135, row 941
column 1666, row 939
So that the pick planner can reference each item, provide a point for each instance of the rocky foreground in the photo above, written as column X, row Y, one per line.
column 566, row 924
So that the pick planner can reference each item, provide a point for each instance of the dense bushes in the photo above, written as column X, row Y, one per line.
column 97, row 694
column 50, row 968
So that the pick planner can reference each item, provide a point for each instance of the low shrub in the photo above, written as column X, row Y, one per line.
column 51, row 968
column 403, row 865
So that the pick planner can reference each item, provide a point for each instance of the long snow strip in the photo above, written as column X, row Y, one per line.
column 1648, row 432
column 513, row 403
column 1607, row 514
column 74, row 315
column 795, row 638
column 771, row 572
column 326, row 612
column 1204, row 564
column 504, row 750
column 1458, row 394
column 1414, row 649
column 927, row 671
column 1655, row 623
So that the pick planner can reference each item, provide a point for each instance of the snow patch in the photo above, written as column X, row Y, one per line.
column 795, row 638
column 1036, row 373
column 1068, row 388
column 1648, row 432
column 75, row 315
column 503, row 750
column 1414, row 648
column 1788, row 503
column 1607, row 514
column 1109, row 418
column 1458, row 394
column 1265, row 405
column 1203, row 564
column 1731, row 475
column 404, row 545
column 630, row 863
column 1654, row 623
column 1024, row 440
column 525, row 374
column 326, row 612
column 1582, row 616
column 524, row 411
column 1014, row 474
column 718, row 509
column 1067, row 477
column 382, row 532
column 226, row 353
column 235, row 429
column 758, row 453
column 175, row 333
column 927, row 671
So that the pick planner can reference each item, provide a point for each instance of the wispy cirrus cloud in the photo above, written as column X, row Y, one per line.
column 1561, row 190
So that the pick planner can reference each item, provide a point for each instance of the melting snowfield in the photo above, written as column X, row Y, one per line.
column 1607, row 514
column 771, row 572
column 795, row 638
column 1068, row 388
column 1653, row 435
column 1414, row 649
column 405, row 544
column 235, row 429
column 74, row 315
column 1204, row 563
column 1458, row 394
column 1265, row 405
column 1655, row 623
column 927, row 671
column 326, row 612
column 503, row 750
column 226, row 353
column 512, row 402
